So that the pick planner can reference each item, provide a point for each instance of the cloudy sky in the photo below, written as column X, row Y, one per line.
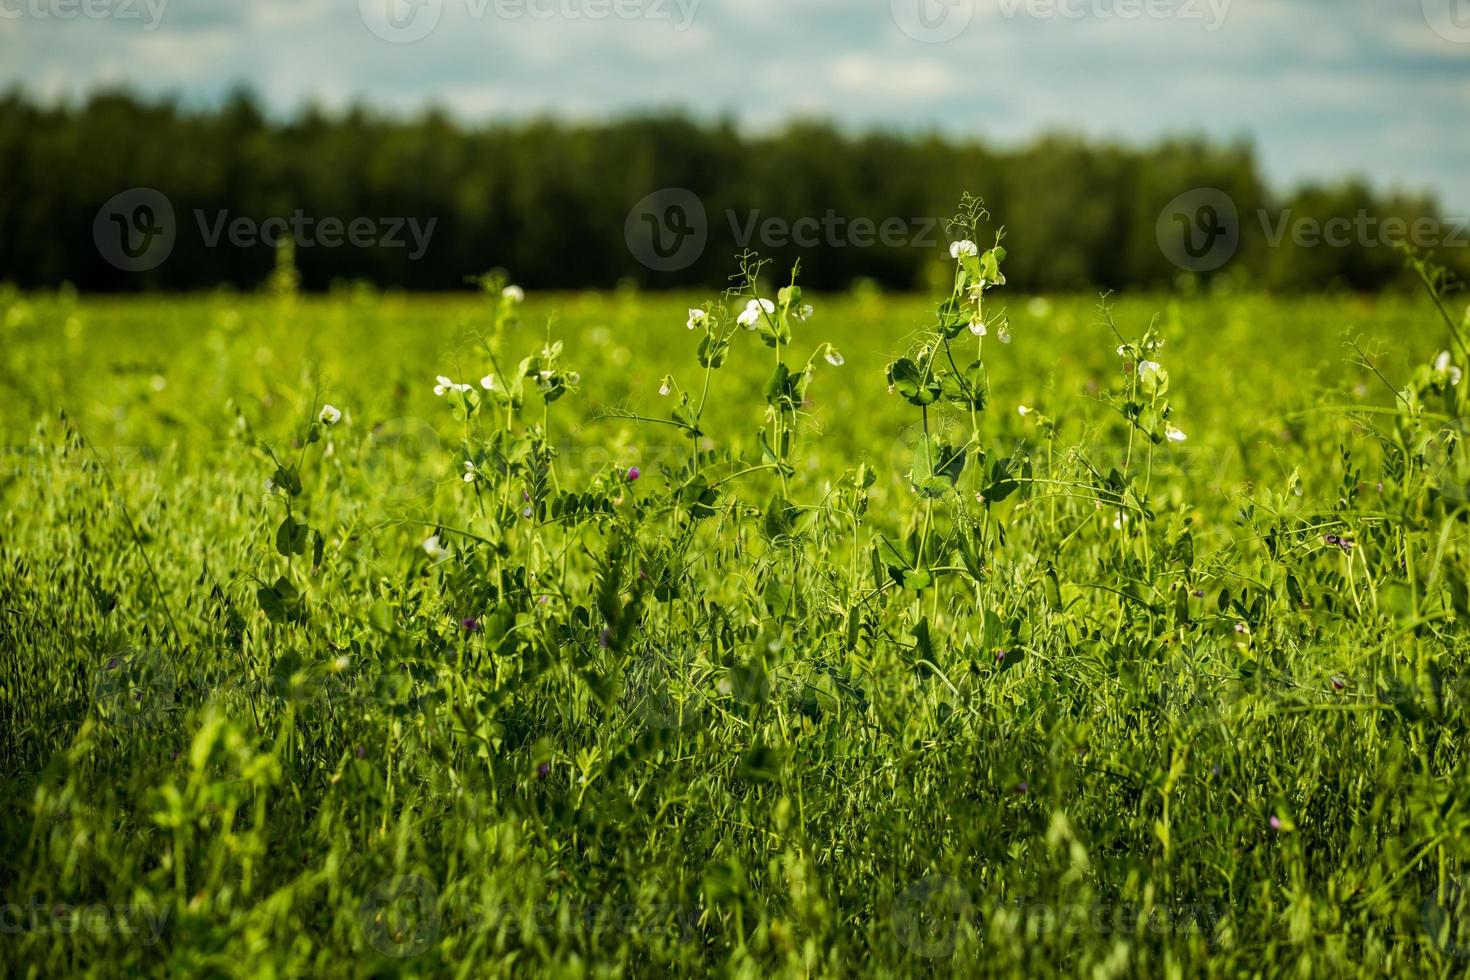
column 1323, row 88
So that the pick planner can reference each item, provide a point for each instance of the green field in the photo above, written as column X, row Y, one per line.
column 866, row 672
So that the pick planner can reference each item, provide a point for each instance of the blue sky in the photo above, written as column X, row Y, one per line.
column 1323, row 88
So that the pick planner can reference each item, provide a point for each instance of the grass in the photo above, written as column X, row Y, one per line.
column 927, row 687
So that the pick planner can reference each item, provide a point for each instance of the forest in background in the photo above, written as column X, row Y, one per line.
column 550, row 201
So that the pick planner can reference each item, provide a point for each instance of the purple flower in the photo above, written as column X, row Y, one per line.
column 470, row 624
column 1242, row 628
column 1215, row 769
column 543, row 770
column 633, row 474
column 1338, row 683
column 1331, row 539
column 603, row 637
column 1000, row 656
column 1275, row 822
column 526, row 495
column 1022, row 787
column 361, row 752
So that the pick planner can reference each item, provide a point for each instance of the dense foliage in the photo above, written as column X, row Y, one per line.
column 367, row 635
column 550, row 200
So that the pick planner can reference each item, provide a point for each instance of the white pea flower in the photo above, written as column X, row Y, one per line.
column 977, row 327
column 1120, row 520
column 434, row 549
column 834, row 356
column 574, row 378
column 665, row 386
column 470, row 472
column 330, row 415
column 1173, row 434
column 445, row 384
column 752, row 312
column 1122, row 350
column 488, row 382
column 1151, row 374
column 513, row 293
column 1003, row 334
column 697, row 318
column 1443, row 366
column 1024, row 410
column 963, row 247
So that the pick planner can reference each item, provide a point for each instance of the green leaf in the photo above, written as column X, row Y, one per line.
column 778, row 388
column 937, row 467
column 291, row 537
column 288, row 480
column 761, row 764
column 779, row 517
column 909, row 381
column 712, row 351
column 699, row 497
column 989, row 265
column 923, row 643
column 281, row 602
column 1001, row 484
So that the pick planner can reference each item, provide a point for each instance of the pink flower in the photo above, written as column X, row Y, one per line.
column 633, row 474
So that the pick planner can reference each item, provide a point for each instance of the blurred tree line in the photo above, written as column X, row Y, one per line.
column 550, row 201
